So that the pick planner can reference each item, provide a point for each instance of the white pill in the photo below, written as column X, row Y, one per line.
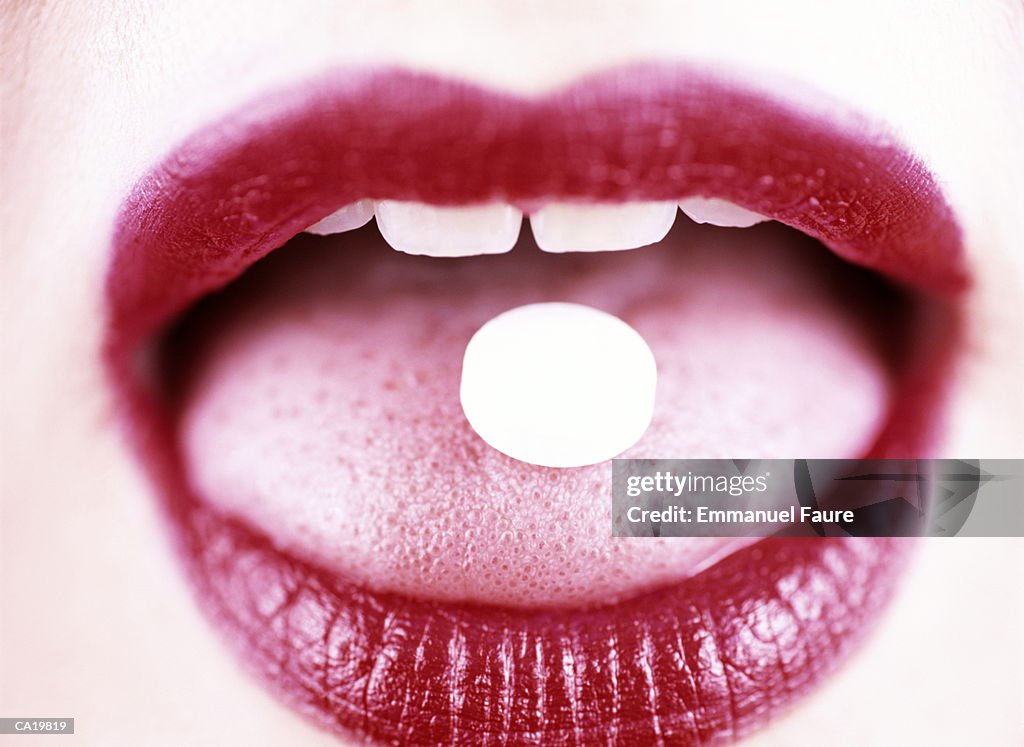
column 558, row 384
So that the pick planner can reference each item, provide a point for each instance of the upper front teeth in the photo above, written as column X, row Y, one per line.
column 719, row 212
column 417, row 228
column 575, row 227
column 349, row 217
column 493, row 228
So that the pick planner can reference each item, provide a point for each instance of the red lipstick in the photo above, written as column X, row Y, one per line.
column 709, row 658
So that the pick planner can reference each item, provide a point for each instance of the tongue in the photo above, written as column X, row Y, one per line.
column 321, row 403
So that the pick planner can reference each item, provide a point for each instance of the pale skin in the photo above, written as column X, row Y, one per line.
column 96, row 620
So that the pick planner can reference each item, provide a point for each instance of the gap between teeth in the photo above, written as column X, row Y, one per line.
column 493, row 228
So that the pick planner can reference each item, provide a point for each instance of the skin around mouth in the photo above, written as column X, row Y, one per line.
column 710, row 657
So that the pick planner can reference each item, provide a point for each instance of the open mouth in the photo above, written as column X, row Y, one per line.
column 381, row 567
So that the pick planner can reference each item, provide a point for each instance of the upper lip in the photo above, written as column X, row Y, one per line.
column 242, row 186
column 716, row 654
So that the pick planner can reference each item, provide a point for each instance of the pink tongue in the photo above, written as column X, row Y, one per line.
column 322, row 404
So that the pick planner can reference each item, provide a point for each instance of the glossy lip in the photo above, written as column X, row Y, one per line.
column 713, row 656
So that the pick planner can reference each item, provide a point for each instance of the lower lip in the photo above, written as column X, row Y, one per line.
column 716, row 655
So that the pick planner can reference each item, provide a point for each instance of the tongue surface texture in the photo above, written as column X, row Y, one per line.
column 319, row 400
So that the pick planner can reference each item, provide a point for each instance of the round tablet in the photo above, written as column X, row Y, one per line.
column 558, row 384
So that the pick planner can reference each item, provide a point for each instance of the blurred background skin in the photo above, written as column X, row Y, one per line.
column 95, row 619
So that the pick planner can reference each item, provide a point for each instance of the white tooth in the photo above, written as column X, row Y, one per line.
column 720, row 212
column 577, row 227
column 349, row 217
column 416, row 228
